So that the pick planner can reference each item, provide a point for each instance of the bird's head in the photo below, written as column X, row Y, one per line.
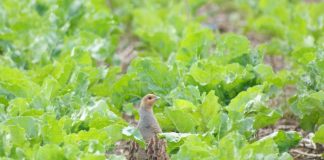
column 149, row 100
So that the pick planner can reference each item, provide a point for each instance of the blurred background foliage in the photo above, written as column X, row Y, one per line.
column 72, row 70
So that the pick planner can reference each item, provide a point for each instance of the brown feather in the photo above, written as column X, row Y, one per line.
column 156, row 149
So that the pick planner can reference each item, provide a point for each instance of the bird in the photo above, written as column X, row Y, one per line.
column 149, row 128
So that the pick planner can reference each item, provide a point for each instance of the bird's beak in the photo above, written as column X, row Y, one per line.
column 157, row 97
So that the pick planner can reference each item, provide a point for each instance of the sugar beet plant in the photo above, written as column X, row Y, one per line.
column 63, row 94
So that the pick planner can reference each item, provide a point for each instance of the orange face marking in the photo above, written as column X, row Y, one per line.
column 149, row 100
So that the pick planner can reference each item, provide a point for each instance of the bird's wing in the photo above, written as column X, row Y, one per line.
column 134, row 152
column 156, row 149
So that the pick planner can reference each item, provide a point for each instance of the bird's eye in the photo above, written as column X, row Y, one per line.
column 150, row 98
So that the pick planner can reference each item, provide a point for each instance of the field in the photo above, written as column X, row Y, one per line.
column 238, row 79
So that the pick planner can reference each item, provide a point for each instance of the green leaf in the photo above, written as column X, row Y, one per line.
column 245, row 100
column 241, row 124
column 211, row 73
column 319, row 135
column 230, row 145
column 205, row 73
column 50, row 87
column 210, row 107
column 14, row 82
column 184, row 105
column 311, row 105
column 265, row 73
column 71, row 151
column 266, row 116
column 312, row 102
column 304, row 55
column 50, row 152
column 154, row 75
column 194, row 147
column 93, row 157
column 182, row 120
column 219, row 124
column 174, row 137
column 285, row 156
column 114, row 132
column 124, row 88
column 18, row 106
column 62, row 71
column 231, row 46
column 98, row 115
column 165, row 123
column 134, row 134
column 14, row 138
column 30, row 124
column 286, row 140
column 105, row 88
column 117, row 157
column 210, row 111
column 262, row 149
column 195, row 43
column 51, row 130
column 189, row 93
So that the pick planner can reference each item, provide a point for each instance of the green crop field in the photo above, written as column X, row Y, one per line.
column 238, row 79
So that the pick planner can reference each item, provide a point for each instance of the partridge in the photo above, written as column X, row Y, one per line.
column 149, row 129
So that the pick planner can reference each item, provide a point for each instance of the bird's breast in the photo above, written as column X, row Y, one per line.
column 145, row 127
